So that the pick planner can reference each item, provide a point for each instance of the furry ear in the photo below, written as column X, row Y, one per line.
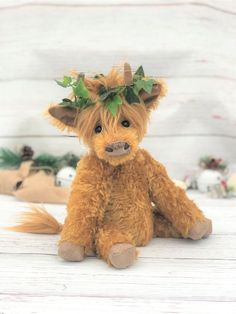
column 64, row 115
column 150, row 100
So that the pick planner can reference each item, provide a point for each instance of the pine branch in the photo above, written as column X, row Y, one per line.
column 9, row 159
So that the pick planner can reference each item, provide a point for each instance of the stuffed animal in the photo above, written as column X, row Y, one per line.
column 121, row 196
column 11, row 180
column 33, row 179
column 40, row 187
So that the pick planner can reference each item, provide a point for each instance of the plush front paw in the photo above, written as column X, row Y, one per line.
column 201, row 229
column 71, row 252
column 122, row 255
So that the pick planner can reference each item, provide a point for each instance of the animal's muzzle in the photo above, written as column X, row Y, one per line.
column 117, row 149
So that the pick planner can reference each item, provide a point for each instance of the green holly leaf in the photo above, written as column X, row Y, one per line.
column 149, row 85
column 65, row 82
column 80, row 89
column 138, row 85
column 105, row 94
column 145, row 85
column 113, row 104
column 130, row 95
column 139, row 74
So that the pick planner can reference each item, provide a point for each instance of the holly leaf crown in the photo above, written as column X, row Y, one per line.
column 110, row 97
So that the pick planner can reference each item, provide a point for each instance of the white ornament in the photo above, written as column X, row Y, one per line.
column 65, row 176
column 208, row 178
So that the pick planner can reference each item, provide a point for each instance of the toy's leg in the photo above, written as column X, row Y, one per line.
column 115, row 247
column 163, row 228
column 176, row 207
column 75, row 245
column 173, row 203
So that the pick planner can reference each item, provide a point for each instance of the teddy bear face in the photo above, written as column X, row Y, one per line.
column 113, row 138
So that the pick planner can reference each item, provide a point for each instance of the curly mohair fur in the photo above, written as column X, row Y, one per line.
column 119, row 202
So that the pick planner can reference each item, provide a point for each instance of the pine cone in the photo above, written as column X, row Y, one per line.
column 26, row 153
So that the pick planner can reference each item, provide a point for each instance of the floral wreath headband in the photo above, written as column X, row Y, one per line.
column 111, row 97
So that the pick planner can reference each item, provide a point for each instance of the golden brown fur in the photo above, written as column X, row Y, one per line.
column 111, row 197
column 37, row 220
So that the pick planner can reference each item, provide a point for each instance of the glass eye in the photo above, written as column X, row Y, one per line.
column 98, row 129
column 125, row 123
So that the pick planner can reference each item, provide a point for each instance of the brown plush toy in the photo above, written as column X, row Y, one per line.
column 31, row 182
column 40, row 187
column 121, row 197
column 10, row 180
column 30, row 186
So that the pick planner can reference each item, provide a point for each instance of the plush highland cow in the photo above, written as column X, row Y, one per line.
column 121, row 197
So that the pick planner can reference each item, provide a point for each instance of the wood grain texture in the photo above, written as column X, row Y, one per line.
column 224, row 6
column 167, row 40
column 170, row 276
column 189, row 43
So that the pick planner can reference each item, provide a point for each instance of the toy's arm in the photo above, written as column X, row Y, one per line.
column 173, row 203
column 86, row 203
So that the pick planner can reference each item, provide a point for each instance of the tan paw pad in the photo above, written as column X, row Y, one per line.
column 71, row 252
column 201, row 229
column 122, row 255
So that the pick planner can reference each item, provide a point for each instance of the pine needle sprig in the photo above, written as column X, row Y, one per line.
column 9, row 159
column 47, row 162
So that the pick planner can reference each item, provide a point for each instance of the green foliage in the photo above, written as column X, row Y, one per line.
column 9, row 159
column 145, row 85
column 48, row 162
column 130, row 92
column 112, row 97
column 130, row 95
column 80, row 89
column 139, row 74
column 55, row 163
column 109, row 94
column 113, row 104
column 81, row 94
column 65, row 82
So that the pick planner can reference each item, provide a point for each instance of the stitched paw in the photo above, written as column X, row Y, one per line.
column 71, row 252
column 201, row 229
column 122, row 255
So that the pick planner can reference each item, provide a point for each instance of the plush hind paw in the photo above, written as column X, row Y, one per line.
column 122, row 255
column 71, row 252
column 201, row 229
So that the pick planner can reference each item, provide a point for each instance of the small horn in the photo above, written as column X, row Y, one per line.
column 128, row 78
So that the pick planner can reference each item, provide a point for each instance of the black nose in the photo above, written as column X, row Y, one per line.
column 117, row 149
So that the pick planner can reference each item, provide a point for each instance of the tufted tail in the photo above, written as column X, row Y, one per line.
column 37, row 220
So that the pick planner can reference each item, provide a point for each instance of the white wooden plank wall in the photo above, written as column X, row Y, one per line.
column 190, row 44
column 171, row 275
